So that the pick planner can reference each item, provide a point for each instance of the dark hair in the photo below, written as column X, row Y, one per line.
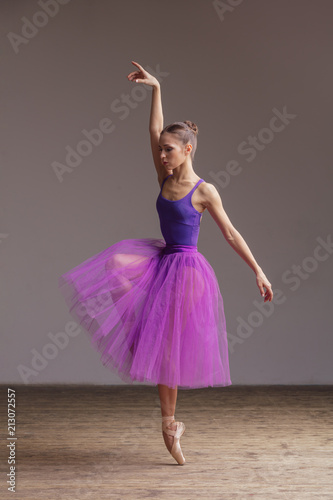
column 186, row 132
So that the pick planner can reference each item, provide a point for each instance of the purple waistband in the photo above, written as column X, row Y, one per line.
column 179, row 248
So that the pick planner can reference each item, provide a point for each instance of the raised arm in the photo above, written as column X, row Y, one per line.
column 156, row 115
column 212, row 201
column 156, row 112
column 155, row 129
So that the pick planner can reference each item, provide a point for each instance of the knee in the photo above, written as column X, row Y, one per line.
column 114, row 262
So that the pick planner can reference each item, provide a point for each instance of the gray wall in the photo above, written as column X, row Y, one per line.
column 231, row 73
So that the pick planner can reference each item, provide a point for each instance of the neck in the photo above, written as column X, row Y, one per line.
column 183, row 173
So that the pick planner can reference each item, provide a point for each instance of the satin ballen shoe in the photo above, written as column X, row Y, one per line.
column 176, row 450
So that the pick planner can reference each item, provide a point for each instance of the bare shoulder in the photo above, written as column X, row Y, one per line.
column 208, row 194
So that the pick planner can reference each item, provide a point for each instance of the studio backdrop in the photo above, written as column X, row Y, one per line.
column 77, row 173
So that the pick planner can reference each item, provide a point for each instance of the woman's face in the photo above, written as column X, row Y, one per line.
column 172, row 153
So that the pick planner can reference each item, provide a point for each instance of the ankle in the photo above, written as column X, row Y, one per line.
column 167, row 419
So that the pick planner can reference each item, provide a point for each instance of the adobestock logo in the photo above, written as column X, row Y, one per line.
column 3, row 236
column 227, row 6
column 30, row 29
column 93, row 138
column 292, row 277
column 252, row 145
column 40, row 359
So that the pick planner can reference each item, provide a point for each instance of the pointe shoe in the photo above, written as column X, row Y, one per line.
column 176, row 450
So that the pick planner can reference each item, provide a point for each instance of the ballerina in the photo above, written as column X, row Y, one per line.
column 152, row 306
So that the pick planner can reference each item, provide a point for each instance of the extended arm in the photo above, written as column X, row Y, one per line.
column 156, row 112
column 213, row 203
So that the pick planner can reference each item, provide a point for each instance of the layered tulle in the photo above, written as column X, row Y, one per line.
column 153, row 311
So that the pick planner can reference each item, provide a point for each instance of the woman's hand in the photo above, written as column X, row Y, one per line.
column 142, row 76
column 263, row 283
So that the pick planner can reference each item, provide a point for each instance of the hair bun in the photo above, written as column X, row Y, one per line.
column 192, row 126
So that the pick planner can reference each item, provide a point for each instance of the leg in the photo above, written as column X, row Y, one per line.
column 194, row 299
column 123, row 280
column 123, row 270
column 172, row 430
column 168, row 398
column 194, row 287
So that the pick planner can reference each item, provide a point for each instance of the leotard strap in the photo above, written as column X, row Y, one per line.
column 165, row 180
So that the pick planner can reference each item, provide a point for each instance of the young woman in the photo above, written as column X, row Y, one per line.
column 153, row 306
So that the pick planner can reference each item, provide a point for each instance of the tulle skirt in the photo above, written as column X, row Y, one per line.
column 154, row 312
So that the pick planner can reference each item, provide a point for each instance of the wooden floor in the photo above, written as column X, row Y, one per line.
column 101, row 442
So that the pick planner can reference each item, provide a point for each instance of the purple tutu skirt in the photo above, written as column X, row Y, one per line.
column 154, row 312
